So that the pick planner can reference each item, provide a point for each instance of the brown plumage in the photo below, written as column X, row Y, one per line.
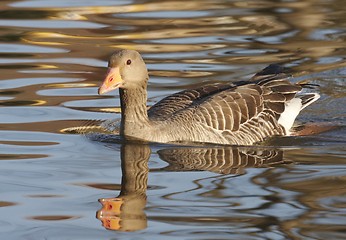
column 225, row 160
column 240, row 113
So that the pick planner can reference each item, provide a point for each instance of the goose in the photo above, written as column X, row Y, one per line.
column 234, row 113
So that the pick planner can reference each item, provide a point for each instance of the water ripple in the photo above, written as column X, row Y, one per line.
column 53, row 56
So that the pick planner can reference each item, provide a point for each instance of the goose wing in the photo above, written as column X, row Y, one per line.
column 174, row 103
column 168, row 106
column 240, row 112
column 230, row 109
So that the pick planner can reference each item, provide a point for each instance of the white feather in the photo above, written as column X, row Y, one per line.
column 292, row 109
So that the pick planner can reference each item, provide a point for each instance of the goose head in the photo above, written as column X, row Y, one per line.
column 126, row 70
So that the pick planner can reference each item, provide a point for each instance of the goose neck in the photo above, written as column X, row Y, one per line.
column 133, row 109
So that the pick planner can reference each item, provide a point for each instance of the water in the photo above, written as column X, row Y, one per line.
column 53, row 56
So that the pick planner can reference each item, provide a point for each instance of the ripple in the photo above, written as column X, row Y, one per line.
column 53, row 55
column 21, row 156
column 53, row 217
column 65, row 3
column 326, row 34
column 102, row 186
column 164, row 14
column 24, row 82
column 45, row 196
column 7, row 204
column 51, row 24
column 28, row 143
column 68, row 91
column 31, row 114
column 21, row 48
column 89, row 62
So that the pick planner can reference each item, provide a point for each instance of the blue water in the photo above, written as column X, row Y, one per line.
column 53, row 177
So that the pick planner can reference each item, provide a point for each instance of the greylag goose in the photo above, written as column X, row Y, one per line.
column 238, row 113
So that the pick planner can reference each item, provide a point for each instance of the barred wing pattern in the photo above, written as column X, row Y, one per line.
column 247, row 113
column 240, row 113
column 168, row 106
column 227, row 160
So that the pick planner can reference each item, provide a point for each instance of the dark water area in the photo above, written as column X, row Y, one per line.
column 59, row 184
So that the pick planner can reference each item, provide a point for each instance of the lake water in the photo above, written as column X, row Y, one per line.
column 56, row 184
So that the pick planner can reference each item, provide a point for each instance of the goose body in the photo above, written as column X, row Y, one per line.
column 240, row 113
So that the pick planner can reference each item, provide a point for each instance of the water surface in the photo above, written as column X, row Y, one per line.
column 53, row 56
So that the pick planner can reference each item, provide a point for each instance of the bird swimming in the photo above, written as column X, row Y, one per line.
column 235, row 113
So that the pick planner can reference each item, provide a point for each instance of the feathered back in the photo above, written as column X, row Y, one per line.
column 242, row 112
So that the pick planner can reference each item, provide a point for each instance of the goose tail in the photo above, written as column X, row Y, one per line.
column 293, row 108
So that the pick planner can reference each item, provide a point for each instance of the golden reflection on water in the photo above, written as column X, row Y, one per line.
column 53, row 59
column 284, row 35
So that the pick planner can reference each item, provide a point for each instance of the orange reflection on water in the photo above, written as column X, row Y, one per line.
column 126, row 212
column 122, row 214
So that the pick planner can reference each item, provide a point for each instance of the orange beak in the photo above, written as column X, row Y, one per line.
column 112, row 81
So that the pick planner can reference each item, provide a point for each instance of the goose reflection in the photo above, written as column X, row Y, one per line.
column 223, row 160
column 126, row 212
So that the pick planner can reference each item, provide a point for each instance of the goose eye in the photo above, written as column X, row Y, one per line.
column 128, row 62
